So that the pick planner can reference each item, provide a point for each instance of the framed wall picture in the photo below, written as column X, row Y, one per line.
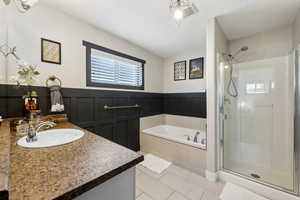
column 51, row 51
column 180, row 71
column 196, row 68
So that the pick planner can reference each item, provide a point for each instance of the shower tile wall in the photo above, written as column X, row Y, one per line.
column 259, row 138
column 258, row 131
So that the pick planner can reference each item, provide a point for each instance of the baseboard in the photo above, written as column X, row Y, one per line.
column 211, row 176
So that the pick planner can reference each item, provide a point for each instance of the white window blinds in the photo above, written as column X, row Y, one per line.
column 111, row 69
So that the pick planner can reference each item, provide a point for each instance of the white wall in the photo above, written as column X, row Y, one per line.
column 3, row 40
column 216, row 44
column 273, row 43
column 171, row 86
column 26, row 30
column 296, row 30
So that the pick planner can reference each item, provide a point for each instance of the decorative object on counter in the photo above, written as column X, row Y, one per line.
column 56, row 118
column 34, row 115
column 196, row 68
column 22, row 128
column 14, row 123
column 27, row 77
column 57, row 104
column 6, row 50
column 180, row 71
column 22, row 5
column 51, row 51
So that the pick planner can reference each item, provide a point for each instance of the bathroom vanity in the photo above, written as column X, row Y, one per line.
column 89, row 168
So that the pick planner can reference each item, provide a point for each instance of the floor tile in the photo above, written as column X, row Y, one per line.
column 138, row 192
column 149, row 172
column 179, row 171
column 177, row 183
column 144, row 197
column 210, row 196
column 213, row 187
column 177, row 196
column 195, row 193
column 153, row 187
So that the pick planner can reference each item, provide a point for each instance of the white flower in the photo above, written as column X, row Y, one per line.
column 30, row 2
column 22, row 63
column 14, row 79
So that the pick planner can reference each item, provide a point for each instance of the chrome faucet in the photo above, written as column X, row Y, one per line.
column 188, row 137
column 196, row 137
column 33, row 130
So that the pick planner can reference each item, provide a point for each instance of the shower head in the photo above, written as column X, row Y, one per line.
column 233, row 56
column 244, row 48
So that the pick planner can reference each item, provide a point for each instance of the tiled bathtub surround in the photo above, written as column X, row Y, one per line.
column 186, row 122
column 182, row 155
column 185, row 156
column 174, row 120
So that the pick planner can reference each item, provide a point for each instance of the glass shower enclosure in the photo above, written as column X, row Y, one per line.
column 257, row 108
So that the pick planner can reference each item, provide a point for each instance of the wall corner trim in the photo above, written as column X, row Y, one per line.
column 211, row 176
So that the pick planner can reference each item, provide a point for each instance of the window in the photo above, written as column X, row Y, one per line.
column 257, row 88
column 112, row 69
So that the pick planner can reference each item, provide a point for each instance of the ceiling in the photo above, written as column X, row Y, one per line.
column 149, row 25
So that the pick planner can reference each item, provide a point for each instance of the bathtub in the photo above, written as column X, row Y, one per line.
column 171, row 143
column 179, row 134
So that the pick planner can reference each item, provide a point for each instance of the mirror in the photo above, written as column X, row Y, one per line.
column 12, row 22
column 3, row 43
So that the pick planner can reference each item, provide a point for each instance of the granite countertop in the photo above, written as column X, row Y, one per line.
column 4, row 159
column 66, row 171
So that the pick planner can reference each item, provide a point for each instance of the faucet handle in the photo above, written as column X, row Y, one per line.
column 188, row 137
column 31, row 137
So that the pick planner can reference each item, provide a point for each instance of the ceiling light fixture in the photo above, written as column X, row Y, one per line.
column 177, row 8
column 181, row 9
column 22, row 5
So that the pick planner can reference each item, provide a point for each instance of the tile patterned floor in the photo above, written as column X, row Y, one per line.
column 175, row 183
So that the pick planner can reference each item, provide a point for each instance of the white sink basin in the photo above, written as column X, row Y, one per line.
column 52, row 138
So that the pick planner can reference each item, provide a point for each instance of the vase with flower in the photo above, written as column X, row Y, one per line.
column 26, row 78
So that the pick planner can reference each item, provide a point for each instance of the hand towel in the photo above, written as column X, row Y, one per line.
column 57, row 104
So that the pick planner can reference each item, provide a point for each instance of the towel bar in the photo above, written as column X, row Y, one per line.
column 106, row 107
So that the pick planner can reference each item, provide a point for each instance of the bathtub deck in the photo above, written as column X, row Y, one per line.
column 174, row 184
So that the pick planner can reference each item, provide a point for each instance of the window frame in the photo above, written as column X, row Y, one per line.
column 89, row 46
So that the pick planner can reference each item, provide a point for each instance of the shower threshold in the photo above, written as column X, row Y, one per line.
column 258, row 186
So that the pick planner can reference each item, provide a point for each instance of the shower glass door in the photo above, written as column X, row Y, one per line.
column 258, row 124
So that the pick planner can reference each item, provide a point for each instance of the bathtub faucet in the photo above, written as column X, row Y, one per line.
column 196, row 137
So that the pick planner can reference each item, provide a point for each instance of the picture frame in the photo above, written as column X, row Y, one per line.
column 50, row 51
column 196, row 68
column 180, row 71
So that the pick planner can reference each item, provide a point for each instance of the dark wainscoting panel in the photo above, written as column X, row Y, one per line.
column 186, row 104
column 84, row 108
